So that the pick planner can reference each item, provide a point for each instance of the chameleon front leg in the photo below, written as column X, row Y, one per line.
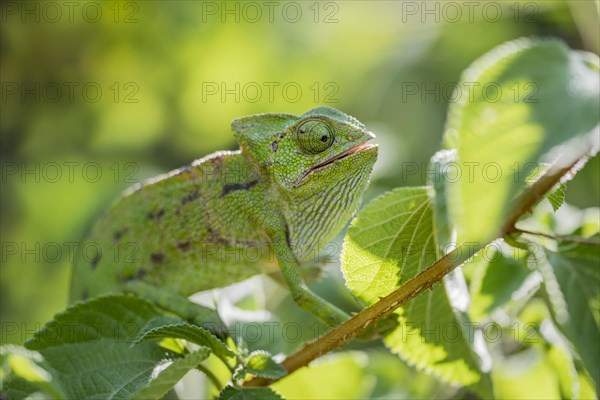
column 303, row 296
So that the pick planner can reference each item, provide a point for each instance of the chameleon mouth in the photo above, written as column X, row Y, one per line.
column 353, row 150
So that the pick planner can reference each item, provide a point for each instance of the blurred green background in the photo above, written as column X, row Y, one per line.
column 97, row 96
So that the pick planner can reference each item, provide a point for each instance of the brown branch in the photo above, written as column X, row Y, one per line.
column 537, row 191
column 425, row 280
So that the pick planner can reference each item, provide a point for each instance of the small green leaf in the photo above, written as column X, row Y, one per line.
column 231, row 393
column 572, row 282
column 170, row 373
column 516, row 103
column 391, row 241
column 261, row 364
column 162, row 328
column 557, row 196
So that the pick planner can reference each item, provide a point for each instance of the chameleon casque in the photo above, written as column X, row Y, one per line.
column 291, row 187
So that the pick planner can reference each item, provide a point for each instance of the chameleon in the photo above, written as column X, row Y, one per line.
column 269, row 206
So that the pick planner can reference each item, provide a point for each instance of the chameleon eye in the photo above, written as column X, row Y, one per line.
column 314, row 136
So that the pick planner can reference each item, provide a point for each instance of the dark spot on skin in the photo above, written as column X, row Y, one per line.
column 94, row 262
column 215, row 238
column 156, row 215
column 232, row 187
column 157, row 258
column 119, row 234
column 274, row 146
column 190, row 197
column 282, row 135
column 184, row 246
column 139, row 275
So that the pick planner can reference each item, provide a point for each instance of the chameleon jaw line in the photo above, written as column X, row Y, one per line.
column 353, row 150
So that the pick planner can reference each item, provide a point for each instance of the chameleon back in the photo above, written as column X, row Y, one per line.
column 163, row 233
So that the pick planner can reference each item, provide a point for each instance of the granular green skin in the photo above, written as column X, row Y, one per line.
column 232, row 215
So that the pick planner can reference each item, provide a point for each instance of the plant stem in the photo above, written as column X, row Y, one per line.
column 212, row 377
column 574, row 239
column 425, row 280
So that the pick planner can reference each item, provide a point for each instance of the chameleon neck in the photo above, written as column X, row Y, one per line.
column 315, row 215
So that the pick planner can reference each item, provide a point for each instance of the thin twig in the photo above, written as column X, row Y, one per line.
column 425, row 280
column 566, row 238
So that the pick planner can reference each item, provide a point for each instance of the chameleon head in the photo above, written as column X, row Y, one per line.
column 310, row 152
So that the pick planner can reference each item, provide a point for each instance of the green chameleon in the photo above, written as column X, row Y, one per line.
column 291, row 187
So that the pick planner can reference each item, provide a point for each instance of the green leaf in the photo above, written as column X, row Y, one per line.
column 500, row 274
column 557, row 196
column 385, row 243
column 231, row 393
column 27, row 373
column 572, row 282
column 391, row 241
column 340, row 375
column 171, row 374
column 87, row 347
column 17, row 388
column 261, row 364
column 164, row 327
column 442, row 164
column 516, row 103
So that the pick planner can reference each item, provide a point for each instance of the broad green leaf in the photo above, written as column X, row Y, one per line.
column 88, row 348
column 390, row 241
column 170, row 373
column 516, row 103
column 498, row 280
column 261, row 364
column 162, row 328
column 231, row 393
column 572, row 282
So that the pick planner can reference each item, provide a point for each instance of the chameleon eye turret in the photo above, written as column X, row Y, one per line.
column 314, row 136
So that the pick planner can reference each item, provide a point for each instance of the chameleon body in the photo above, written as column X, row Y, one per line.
column 291, row 187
